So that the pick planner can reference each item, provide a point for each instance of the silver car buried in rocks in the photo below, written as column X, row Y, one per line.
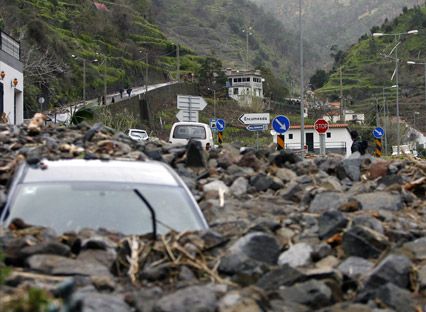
column 117, row 195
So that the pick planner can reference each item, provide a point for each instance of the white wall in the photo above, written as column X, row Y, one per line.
column 9, row 94
column 339, row 137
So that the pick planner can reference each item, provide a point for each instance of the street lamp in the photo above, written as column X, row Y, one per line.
column 395, row 48
column 302, row 87
column 414, row 123
column 105, row 74
column 386, row 116
column 424, row 64
column 248, row 33
column 84, row 76
column 214, row 101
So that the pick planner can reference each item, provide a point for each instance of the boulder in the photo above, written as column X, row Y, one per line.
column 249, row 252
column 327, row 201
column 200, row 298
column 363, row 242
column 314, row 294
column 330, row 223
column 393, row 269
column 379, row 201
column 297, row 255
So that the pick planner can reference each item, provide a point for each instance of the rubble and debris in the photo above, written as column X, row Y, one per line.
column 286, row 233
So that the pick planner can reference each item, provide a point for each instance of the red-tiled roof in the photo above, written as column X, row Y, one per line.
column 100, row 6
column 312, row 126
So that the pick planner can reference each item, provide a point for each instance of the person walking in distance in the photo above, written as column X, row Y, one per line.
column 129, row 91
column 121, row 91
column 357, row 144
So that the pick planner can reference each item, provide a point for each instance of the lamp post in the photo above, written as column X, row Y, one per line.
column 424, row 64
column 302, row 108
column 397, row 37
column 386, row 117
column 248, row 33
column 105, row 74
column 414, row 122
column 84, row 76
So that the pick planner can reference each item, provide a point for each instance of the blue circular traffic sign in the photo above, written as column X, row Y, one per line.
column 281, row 124
column 220, row 124
column 378, row 133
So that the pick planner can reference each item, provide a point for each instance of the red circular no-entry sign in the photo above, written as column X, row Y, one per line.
column 321, row 126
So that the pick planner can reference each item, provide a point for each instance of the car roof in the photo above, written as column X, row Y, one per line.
column 189, row 123
column 119, row 171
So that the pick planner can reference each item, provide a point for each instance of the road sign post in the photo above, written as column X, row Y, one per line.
column 255, row 122
column 189, row 106
column 378, row 148
column 280, row 142
column 280, row 124
column 321, row 127
column 378, row 133
column 255, row 119
column 187, row 116
column 220, row 126
column 220, row 137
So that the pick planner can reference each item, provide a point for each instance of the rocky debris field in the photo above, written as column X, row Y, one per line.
column 287, row 234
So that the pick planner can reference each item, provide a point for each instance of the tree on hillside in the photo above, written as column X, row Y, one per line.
column 211, row 74
column 273, row 87
column 319, row 79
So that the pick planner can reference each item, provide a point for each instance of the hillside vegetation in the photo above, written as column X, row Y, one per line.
column 217, row 28
column 113, row 39
column 365, row 70
column 333, row 25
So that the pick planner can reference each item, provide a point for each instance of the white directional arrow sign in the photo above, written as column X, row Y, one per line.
column 186, row 115
column 255, row 119
column 191, row 103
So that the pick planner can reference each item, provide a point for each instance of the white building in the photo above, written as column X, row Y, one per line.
column 243, row 86
column 349, row 116
column 11, row 80
column 337, row 139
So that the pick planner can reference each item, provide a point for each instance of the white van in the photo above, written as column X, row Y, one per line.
column 182, row 132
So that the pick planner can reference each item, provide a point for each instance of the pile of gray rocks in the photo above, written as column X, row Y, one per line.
column 286, row 233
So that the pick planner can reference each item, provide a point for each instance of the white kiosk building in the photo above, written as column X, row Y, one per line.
column 337, row 139
column 11, row 81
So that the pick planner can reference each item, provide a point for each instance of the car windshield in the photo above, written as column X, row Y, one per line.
column 139, row 134
column 112, row 206
column 189, row 132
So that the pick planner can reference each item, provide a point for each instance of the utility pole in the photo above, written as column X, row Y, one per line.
column 84, row 81
column 385, row 121
column 247, row 49
column 302, row 87
column 178, row 62
column 398, row 134
column 248, row 32
column 397, row 40
column 377, row 113
column 341, row 97
column 146, row 74
column 105, row 81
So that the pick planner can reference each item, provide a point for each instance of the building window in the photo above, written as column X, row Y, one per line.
column 328, row 134
column 235, row 91
column 9, row 45
column 290, row 136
